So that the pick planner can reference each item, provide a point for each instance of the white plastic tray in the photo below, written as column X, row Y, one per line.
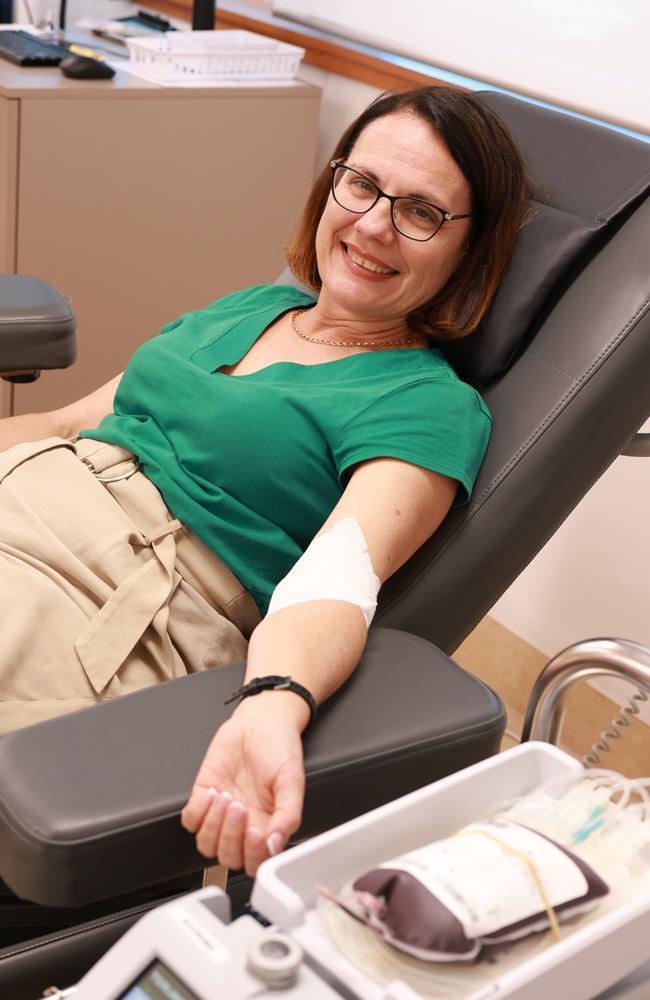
column 580, row 967
column 204, row 56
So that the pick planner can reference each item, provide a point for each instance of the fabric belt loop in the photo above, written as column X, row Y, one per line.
column 165, row 529
column 100, row 457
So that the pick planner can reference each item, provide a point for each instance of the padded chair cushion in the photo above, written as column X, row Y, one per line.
column 37, row 325
column 90, row 802
column 586, row 178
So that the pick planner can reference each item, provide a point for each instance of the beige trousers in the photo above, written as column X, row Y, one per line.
column 102, row 591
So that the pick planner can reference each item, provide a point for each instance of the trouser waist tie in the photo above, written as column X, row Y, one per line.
column 143, row 596
column 108, row 639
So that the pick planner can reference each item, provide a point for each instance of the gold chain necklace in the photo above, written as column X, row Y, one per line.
column 348, row 343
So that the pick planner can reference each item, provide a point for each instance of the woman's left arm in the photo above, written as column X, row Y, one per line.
column 248, row 794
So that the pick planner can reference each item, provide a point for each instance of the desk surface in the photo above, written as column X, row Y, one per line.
column 49, row 82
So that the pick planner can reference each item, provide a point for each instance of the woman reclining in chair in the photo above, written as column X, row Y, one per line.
column 182, row 526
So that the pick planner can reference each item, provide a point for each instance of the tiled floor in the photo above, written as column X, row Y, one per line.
column 510, row 666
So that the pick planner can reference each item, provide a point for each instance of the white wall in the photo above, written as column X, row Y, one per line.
column 589, row 55
column 342, row 100
column 592, row 579
column 75, row 9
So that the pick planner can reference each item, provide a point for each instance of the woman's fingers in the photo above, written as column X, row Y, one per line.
column 255, row 850
column 275, row 842
column 224, row 829
column 197, row 806
column 231, row 839
column 287, row 815
column 220, row 824
column 209, row 832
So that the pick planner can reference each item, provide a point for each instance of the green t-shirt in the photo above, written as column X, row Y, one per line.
column 254, row 463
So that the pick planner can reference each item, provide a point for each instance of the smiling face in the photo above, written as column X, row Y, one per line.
column 369, row 271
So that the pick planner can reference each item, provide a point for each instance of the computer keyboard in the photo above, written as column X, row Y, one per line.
column 24, row 49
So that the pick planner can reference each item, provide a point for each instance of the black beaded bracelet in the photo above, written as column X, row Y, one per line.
column 275, row 683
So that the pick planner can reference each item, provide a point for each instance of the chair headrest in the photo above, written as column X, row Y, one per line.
column 586, row 176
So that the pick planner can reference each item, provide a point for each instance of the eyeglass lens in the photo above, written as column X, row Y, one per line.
column 356, row 193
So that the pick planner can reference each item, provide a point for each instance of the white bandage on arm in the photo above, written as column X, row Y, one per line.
column 335, row 567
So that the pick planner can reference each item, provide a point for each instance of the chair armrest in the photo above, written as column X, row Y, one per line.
column 90, row 802
column 36, row 326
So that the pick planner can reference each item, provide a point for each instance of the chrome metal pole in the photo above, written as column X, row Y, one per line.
column 619, row 658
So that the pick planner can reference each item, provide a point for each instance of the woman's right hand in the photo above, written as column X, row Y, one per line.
column 248, row 794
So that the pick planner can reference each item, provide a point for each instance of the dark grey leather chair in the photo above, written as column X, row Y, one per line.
column 89, row 804
column 37, row 328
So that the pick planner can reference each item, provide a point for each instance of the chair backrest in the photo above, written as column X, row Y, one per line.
column 562, row 362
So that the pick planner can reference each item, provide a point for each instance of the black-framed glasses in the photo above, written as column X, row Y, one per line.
column 412, row 217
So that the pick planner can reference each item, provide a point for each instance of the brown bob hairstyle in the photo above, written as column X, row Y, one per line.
column 488, row 158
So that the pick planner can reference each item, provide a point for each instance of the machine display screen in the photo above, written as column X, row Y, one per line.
column 158, row 982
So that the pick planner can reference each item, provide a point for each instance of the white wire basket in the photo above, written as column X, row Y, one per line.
column 203, row 56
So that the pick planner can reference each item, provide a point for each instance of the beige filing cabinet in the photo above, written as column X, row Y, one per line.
column 139, row 202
